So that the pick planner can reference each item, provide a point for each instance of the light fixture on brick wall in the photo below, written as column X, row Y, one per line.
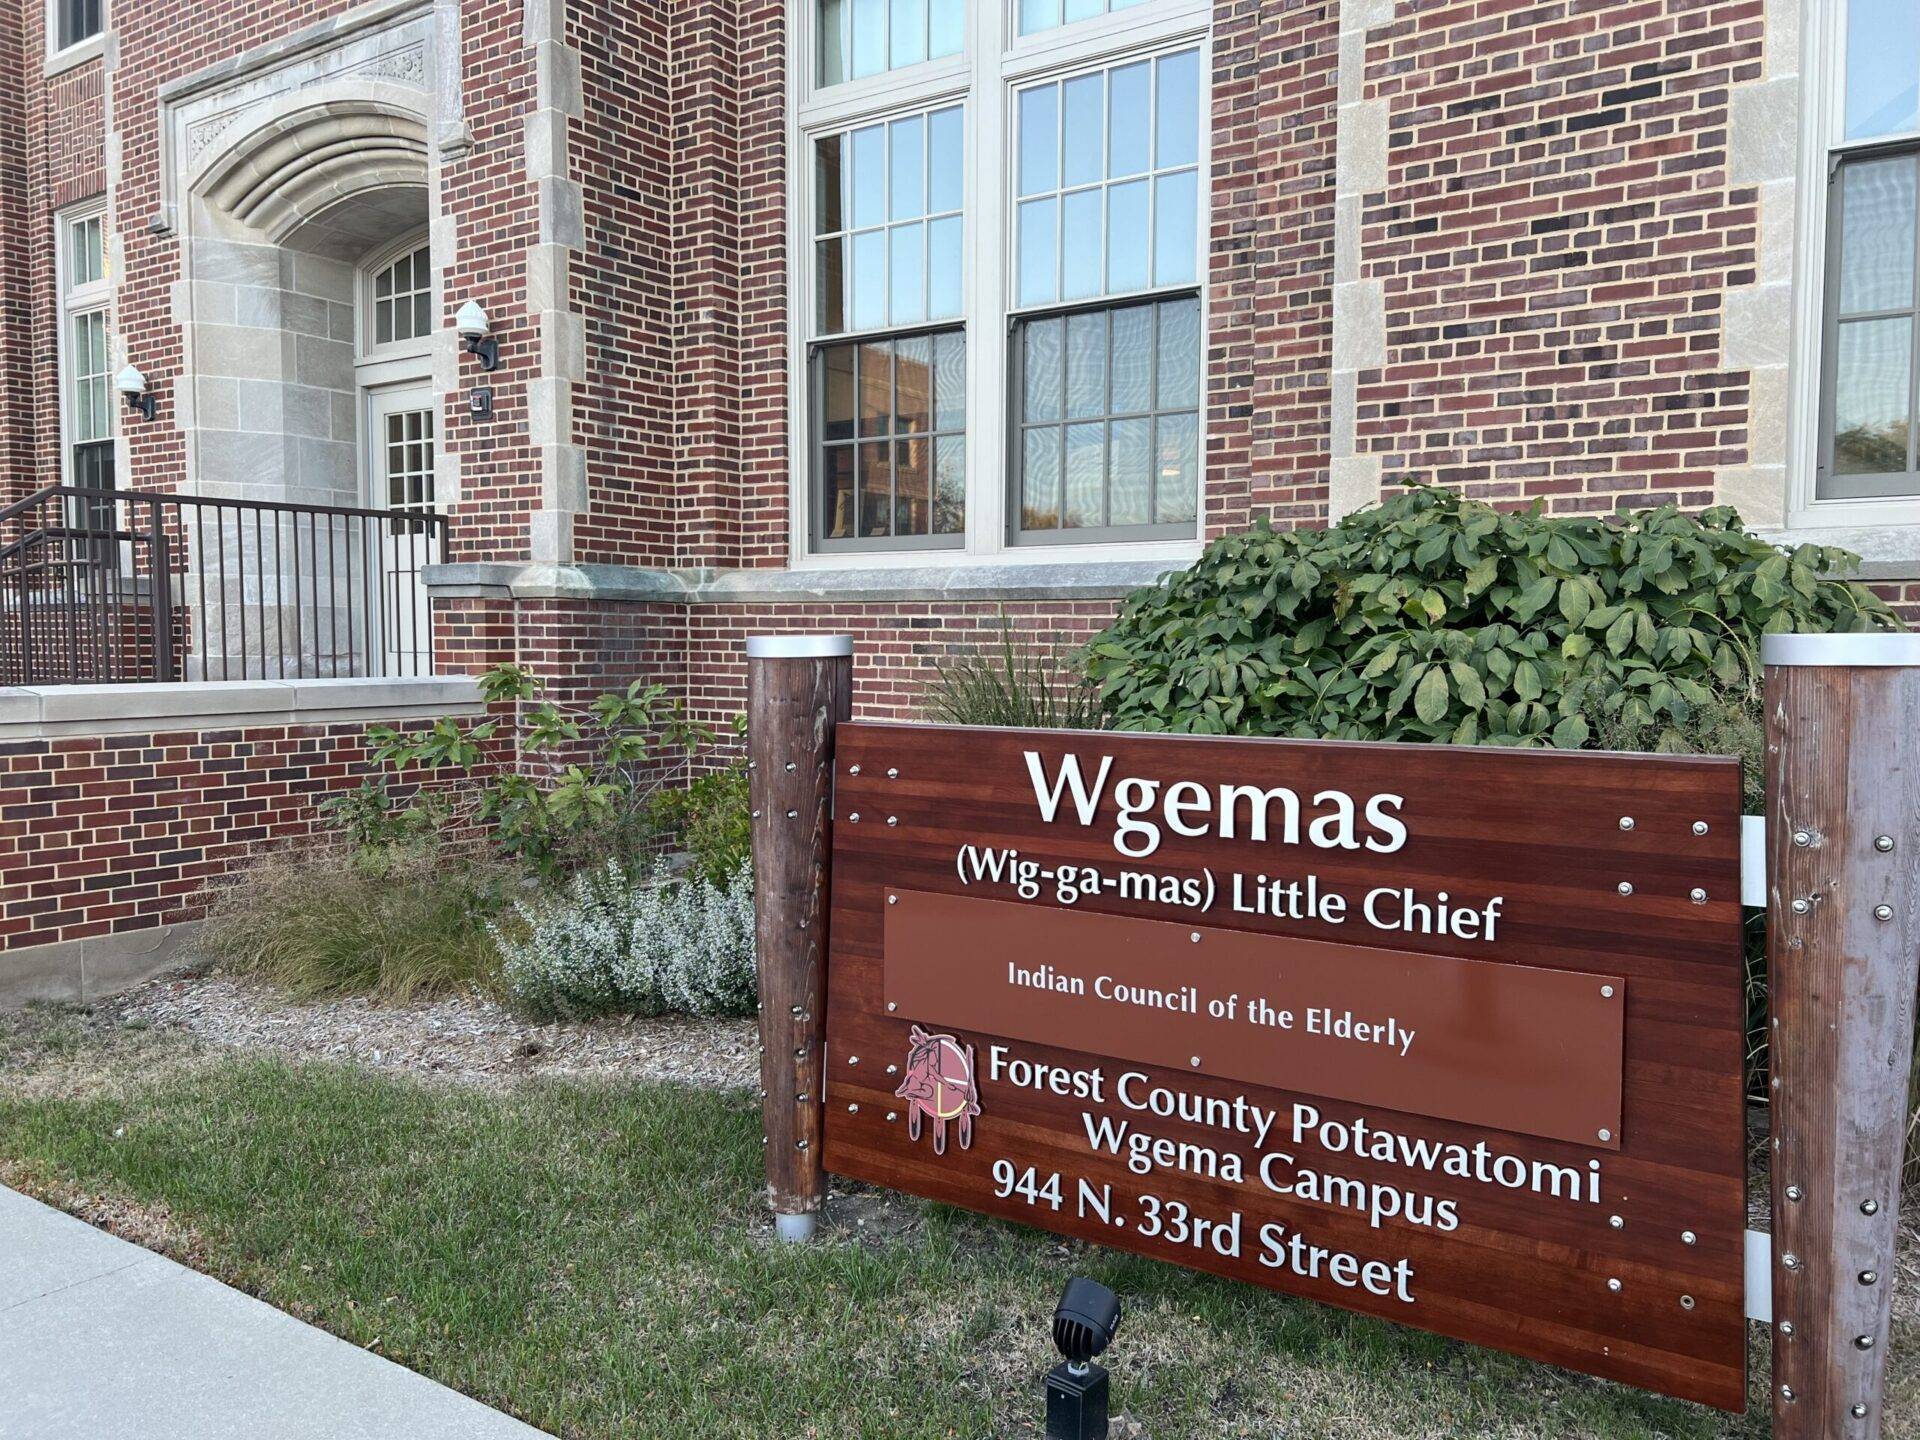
column 476, row 335
column 132, row 384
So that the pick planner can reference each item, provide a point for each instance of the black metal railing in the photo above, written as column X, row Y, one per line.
column 127, row 586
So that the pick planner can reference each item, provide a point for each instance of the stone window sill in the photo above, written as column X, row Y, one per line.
column 50, row 711
column 1887, row 552
column 74, row 56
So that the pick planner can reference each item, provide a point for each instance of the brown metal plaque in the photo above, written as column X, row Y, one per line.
column 1507, row 1047
column 1483, row 899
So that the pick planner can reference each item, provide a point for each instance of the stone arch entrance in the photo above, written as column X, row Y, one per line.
column 298, row 376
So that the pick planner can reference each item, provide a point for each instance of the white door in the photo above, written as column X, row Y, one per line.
column 401, row 427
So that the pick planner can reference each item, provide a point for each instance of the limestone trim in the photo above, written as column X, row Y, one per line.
column 1359, row 304
column 37, row 712
column 954, row 584
column 562, row 330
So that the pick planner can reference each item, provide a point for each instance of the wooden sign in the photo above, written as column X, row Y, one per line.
column 1450, row 1036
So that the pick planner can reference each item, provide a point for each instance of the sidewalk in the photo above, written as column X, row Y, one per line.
column 99, row 1338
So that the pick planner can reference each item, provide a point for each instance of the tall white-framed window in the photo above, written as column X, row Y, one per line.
column 1860, row 441
column 999, row 301
column 86, row 371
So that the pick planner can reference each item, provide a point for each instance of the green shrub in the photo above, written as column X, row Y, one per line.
column 548, row 785
column 391, row 922
column 616, row 940
column 711, row 817
column 1431, row 617
column 1435, row 618
column 1010, row 685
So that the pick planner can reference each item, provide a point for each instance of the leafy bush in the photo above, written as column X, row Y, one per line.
column 1435, row 618
column 711, row 817
column 612, row 941
column 1012, row 685
column 1431, row 617
column 393, row 923
column 552, row 783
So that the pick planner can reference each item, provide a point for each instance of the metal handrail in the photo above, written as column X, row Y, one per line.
column 131, row 585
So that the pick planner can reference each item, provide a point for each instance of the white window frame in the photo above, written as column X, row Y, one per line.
column 65, row 57
column 401, row 359
column 994, row 61
column 75, row 301
column 1822, row 145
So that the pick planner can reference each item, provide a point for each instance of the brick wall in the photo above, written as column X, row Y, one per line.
column 1556, row 239
column 102, row 835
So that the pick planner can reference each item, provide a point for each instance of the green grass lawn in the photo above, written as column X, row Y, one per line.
column 593, row 1258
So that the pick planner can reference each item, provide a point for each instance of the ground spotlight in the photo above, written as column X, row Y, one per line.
column 1083, row 1325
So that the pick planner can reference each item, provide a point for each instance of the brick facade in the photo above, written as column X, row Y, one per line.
column 1544, row 204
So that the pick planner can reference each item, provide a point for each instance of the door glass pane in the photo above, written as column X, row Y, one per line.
column 1873, row 391
column 1883, row 68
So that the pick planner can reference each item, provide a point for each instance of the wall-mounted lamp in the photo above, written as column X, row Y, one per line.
column 476, row 335
column 132, row 384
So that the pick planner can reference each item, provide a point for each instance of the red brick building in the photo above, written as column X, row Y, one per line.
column 877, row 315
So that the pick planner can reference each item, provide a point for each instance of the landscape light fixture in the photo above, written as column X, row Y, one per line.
column 476, row 335
column 1084, row 1323
column 132, row 384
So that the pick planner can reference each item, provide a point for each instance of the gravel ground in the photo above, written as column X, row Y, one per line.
column 465, row 1039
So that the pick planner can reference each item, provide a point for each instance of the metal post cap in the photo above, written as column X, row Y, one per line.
column 1880, row 648
column 798, row 647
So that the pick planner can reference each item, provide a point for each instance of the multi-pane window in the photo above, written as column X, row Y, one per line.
column 887, row 222
column 1870, row 442
column 1109, row 430
column 859, row 38
column 889, row 267
column 1106, row 442
column 87, row 398
column 403, row 299
column 76, row 20
column 1001, row 351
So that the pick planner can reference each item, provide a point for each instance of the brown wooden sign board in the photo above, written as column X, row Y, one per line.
column 1484, row 954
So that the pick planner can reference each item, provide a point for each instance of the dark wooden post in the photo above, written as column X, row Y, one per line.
column 799, row 688
column 1843, row 953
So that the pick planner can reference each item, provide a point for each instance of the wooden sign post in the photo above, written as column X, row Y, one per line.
column 1843, row 952
column 799, row 688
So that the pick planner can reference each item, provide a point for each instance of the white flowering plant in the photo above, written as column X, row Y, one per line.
column 613, row 940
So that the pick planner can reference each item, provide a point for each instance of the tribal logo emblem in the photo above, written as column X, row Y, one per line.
column 939, row 1085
